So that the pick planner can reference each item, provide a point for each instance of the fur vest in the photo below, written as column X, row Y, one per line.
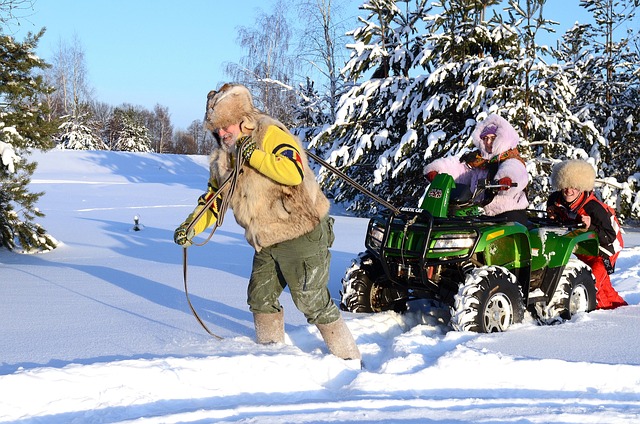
column 271, row 212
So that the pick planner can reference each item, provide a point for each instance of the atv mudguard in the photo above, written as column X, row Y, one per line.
column 506, row 245
column 552, row 246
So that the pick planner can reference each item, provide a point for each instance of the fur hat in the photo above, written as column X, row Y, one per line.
column 574, row 173
column 231, row 104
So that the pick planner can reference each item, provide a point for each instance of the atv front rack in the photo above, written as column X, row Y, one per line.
column 409, row 244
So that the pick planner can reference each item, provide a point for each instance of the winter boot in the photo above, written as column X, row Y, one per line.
column 269, row 327
column 339, row 339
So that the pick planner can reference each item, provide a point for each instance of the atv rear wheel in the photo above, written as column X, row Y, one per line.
column 576, row 292
column 583, row 294
column 490, row 300
column 366, row 289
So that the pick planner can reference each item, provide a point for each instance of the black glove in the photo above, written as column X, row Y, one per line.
column 473, row 159
column 607, row 265
column 246, row 147
column 181, row 237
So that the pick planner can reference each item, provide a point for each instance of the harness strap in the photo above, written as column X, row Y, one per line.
column 354, row 183
column 232, row 182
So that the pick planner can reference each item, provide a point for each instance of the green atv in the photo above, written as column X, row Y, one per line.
column 488, row 271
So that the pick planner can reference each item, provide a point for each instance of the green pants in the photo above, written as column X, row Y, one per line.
column 302, row 264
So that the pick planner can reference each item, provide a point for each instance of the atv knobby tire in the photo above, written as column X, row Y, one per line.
column 365, row 288
column 576, row 292
column 490, row 300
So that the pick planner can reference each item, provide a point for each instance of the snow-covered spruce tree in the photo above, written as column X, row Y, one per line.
column 434, row 76
column 131, row 135
column 538, row 100
column 310, row 111
column 77, row 134
column 366, row 139
column 22, row 129
column 606, row 73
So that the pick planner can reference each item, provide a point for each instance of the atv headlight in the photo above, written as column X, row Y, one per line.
column 375, row 235
column 454, row 242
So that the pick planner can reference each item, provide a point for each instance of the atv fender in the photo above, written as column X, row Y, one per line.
column 506, row 245
column 553, row 246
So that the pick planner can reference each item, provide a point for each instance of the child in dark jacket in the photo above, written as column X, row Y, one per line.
column 574, row 200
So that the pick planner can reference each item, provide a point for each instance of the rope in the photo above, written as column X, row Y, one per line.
column 186, row 292
column 231, row 181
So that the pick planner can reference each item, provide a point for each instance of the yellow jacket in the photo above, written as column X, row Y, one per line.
column 270, row 202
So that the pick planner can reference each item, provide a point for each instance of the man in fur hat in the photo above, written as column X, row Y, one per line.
column 497, row 159
column 574, row 201
column 285, row 215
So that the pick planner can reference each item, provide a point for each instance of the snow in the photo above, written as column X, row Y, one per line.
column 99, row 329
column 8, row 156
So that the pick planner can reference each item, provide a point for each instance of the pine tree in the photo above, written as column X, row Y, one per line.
column 434, row 76
column 607, row 76
column 309, row 110
column 370, row 121
column 22, row 128
column 131, row 135
column 76, row 134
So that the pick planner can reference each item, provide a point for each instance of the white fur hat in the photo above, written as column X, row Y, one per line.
column 231, row 104
column 574, row 173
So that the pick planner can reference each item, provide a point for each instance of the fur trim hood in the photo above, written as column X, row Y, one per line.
column 574, row 173
column 506, row 136
column 231, row 104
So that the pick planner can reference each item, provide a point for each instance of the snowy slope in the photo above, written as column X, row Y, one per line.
column 99, row 330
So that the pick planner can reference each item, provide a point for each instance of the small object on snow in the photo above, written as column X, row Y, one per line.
column 136, row 224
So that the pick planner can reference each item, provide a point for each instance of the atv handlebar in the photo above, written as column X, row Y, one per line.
column 494, row 184
column 542, row 218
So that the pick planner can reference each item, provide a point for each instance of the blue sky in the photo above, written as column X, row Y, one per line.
column 170, row 52
column 145, row 52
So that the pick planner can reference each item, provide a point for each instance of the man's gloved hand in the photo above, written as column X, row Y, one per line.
column 181, row 237
column 246, row 147
column 505, row 182
column 431, row 175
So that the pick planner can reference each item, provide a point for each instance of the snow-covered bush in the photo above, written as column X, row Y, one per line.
column 75, row 134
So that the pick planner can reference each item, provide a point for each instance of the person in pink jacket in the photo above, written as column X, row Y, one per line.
column 496, row 159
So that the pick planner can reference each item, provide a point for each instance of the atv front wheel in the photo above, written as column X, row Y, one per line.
column 576, row 292
column 490, row 300
column 366, row 289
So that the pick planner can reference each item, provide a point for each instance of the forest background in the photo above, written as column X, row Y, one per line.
column 379, row 99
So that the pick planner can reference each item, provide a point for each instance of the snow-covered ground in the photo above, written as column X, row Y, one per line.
column 99, row 330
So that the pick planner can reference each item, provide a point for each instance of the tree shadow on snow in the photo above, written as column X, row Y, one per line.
column 154, row 167
column 227, row 251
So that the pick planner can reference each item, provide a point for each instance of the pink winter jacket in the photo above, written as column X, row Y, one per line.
column 506, row 138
